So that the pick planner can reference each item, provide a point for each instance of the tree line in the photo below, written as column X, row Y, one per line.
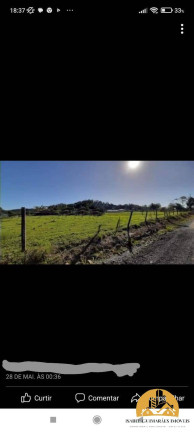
column 97, row 208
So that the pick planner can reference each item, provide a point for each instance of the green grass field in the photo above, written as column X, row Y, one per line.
column 45, row 232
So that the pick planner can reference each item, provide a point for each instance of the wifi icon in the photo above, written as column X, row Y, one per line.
column 144, row 11
column 154, row 10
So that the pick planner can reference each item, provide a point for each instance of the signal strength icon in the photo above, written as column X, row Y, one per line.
column 144, row 11
column 154, row 10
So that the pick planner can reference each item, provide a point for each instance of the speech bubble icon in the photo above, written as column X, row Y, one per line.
column 80, row 397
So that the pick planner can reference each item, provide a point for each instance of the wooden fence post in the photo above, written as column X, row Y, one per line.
column 146, row 217
column 23, row 228
column 118, row 225
column 128, row 227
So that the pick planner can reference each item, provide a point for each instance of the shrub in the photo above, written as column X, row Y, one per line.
column 34, row 257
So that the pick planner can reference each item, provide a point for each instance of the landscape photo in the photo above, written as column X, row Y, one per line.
column 97, row 213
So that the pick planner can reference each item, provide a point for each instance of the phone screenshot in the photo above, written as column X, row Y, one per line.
column 131, row 21
column 96, row 247
column 86, row 342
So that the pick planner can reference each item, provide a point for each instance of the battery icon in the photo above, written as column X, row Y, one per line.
column 166, row 10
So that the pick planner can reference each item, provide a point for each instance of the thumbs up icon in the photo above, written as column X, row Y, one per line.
column 26, row 398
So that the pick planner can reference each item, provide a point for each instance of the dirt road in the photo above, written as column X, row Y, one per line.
column 176, row 247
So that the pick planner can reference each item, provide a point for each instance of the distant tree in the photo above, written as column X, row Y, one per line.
column 152, row 207
column 179, row 207
column 10, row 213
column 158, row 206
column 182, row 200
column 171, row 207
column 190, row 203
column 144, row 208
column 155, row 207
column 38, row 208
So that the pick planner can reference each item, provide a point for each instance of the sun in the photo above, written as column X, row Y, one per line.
column 133, row 164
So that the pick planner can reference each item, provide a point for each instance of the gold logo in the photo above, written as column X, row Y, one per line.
column 157, row 402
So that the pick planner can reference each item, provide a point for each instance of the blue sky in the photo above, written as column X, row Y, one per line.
column 31, row 183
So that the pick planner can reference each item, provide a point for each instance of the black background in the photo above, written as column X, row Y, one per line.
column 114, row 315
column 76, row 93
column 117, row 20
